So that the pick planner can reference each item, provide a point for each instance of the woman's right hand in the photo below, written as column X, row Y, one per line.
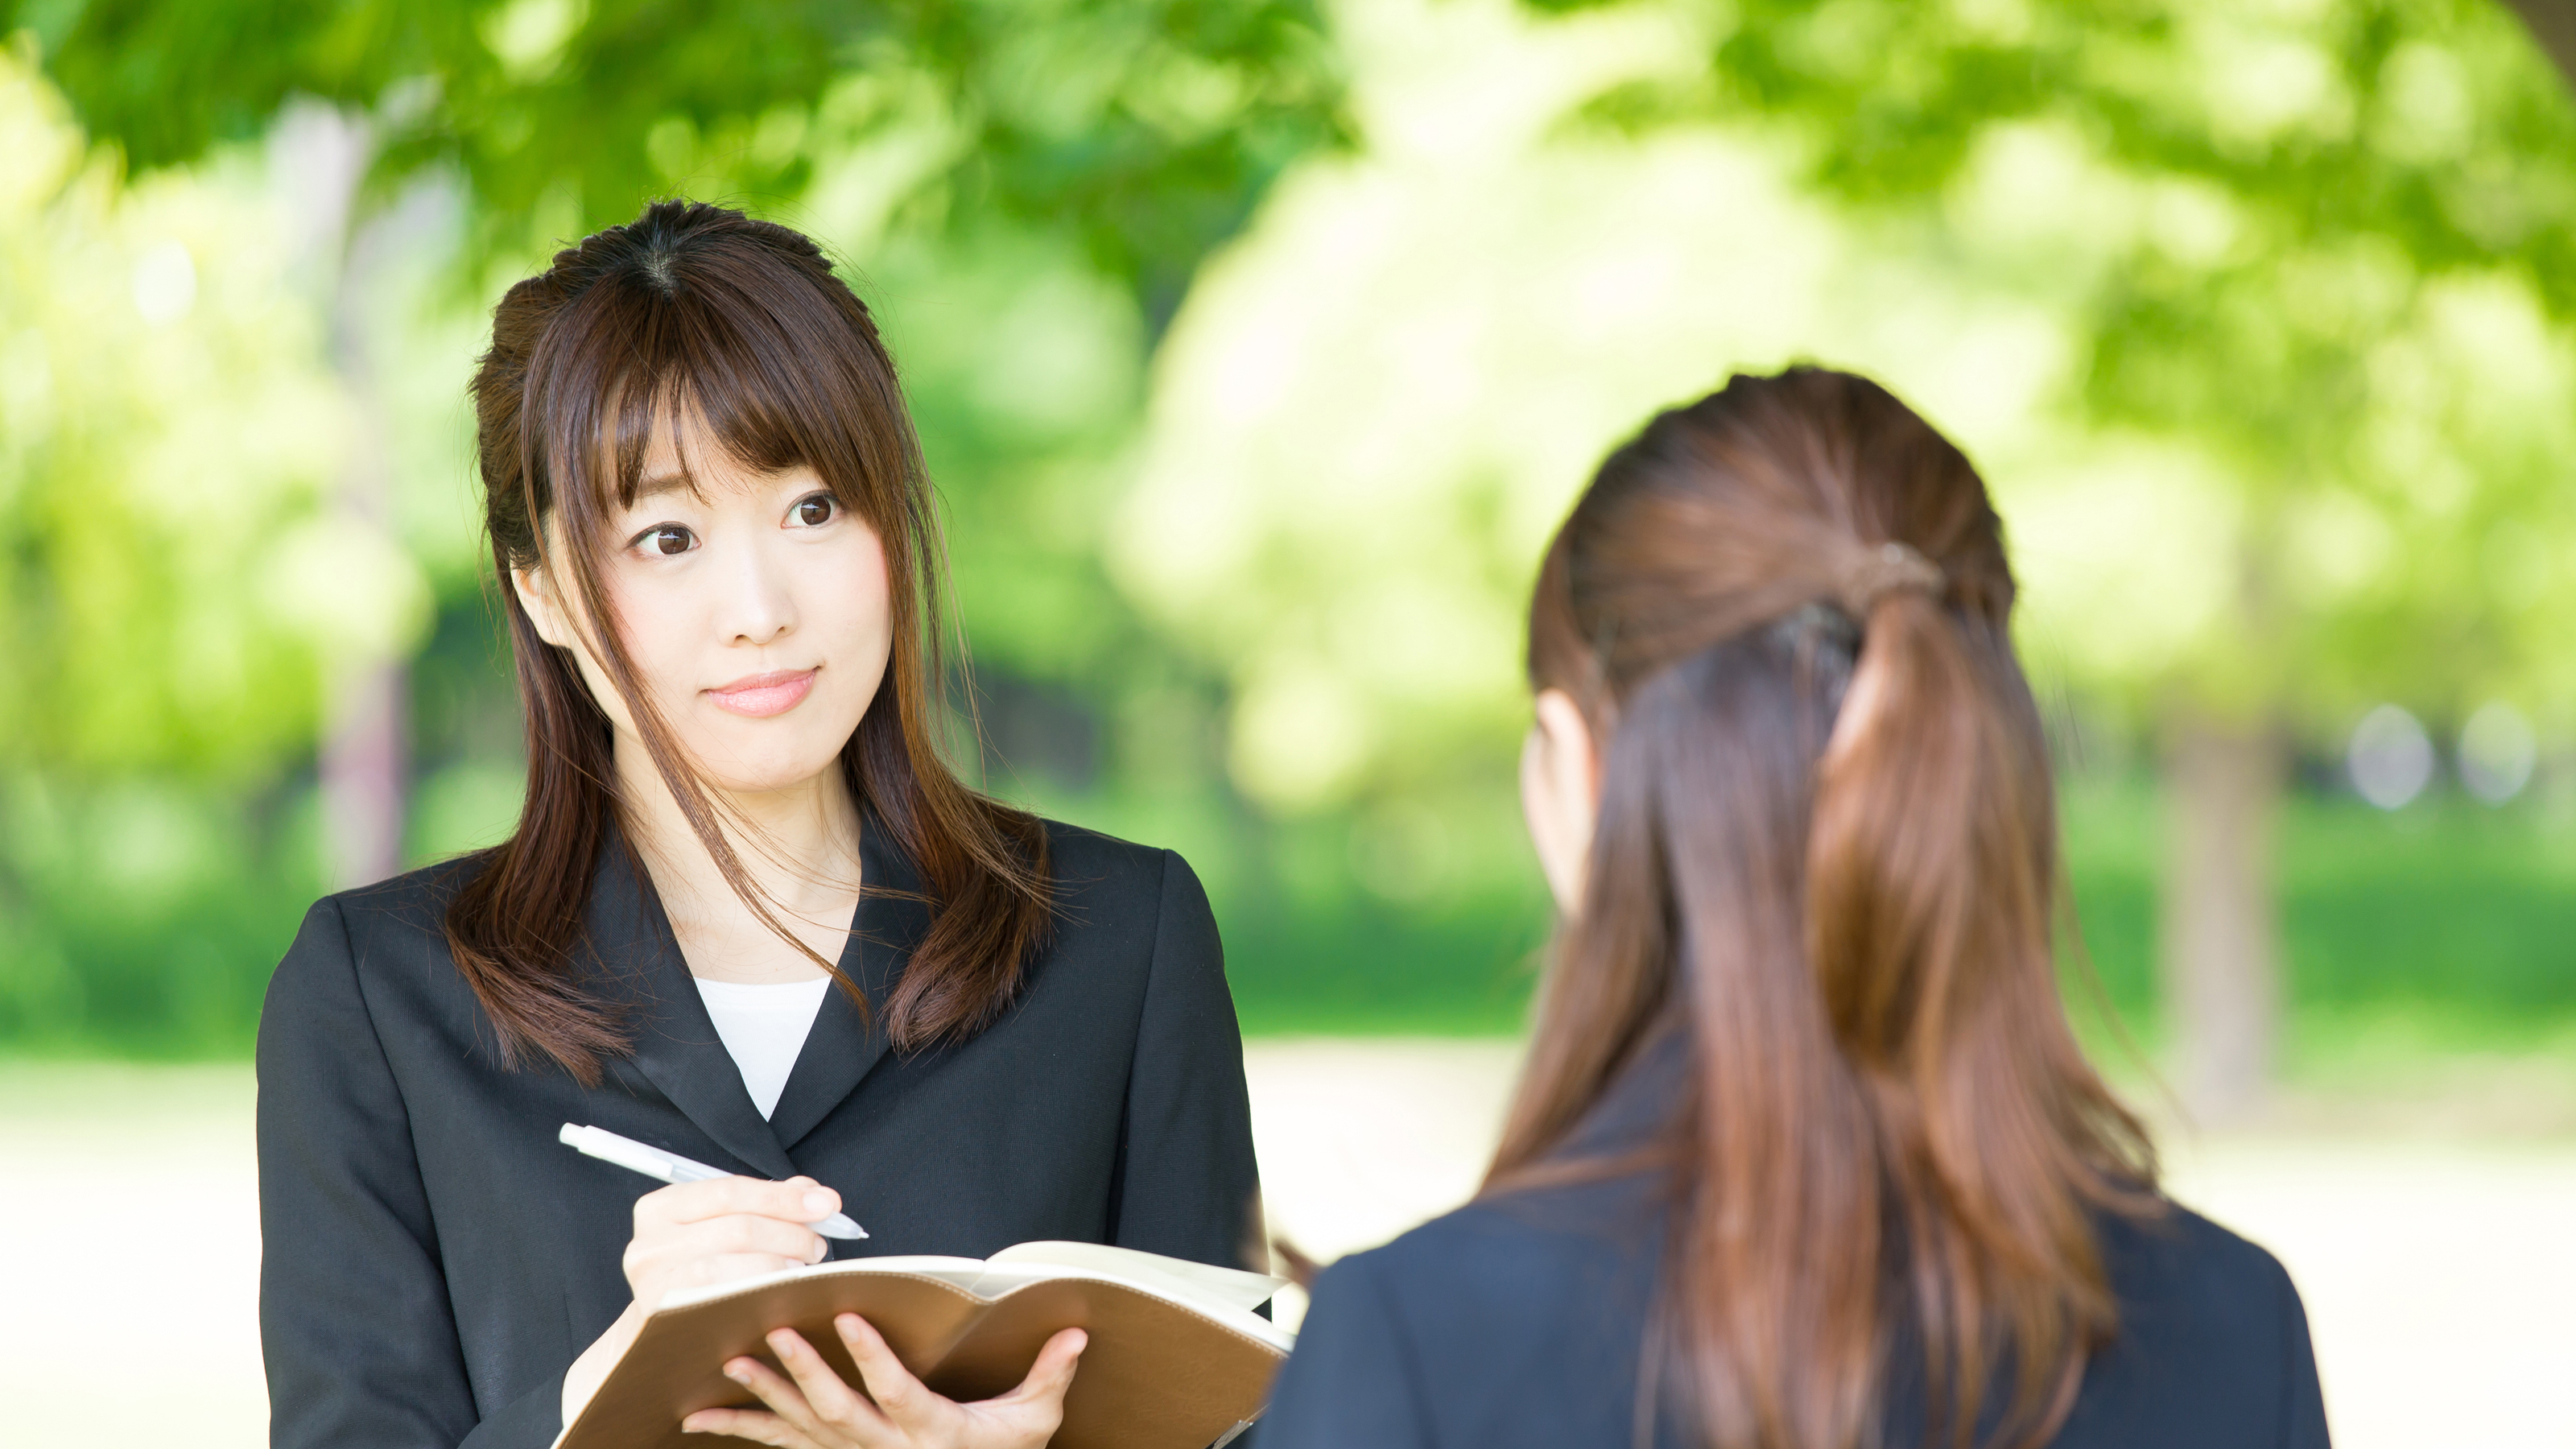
column 726, row 1228
column 699, row 1233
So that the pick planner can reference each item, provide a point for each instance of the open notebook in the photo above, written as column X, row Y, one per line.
column 1177, row 1358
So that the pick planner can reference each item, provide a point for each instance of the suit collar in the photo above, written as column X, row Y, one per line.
column 639, row 970
column 847, row 1041
column 637, row 967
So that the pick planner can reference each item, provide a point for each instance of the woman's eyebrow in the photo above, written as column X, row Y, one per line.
column 659, row 484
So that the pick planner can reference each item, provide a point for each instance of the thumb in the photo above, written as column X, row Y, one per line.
column 1052, row 1374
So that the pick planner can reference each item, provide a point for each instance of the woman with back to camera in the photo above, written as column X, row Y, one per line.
column 747, row 916
column 1804, row 1155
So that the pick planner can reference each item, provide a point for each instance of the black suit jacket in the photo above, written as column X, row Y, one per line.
column 1520, row 1323
column 434, row 1259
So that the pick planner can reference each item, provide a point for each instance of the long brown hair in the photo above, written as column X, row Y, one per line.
column 1827, row 846
column 692, row 310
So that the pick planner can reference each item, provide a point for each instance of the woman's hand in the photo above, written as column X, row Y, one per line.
column 699, row 1233
column 714, row 1232
column 818, row 1411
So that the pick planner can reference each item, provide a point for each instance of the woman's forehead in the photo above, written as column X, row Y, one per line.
column 682, row 454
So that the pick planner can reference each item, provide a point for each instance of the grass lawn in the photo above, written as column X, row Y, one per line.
column 2441, row 929
column 2445, row 927
column 2448, row 926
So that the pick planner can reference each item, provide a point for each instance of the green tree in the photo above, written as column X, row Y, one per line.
column 1147, row 127
column 171, row 583
column 2258, row 315
column 1056, row 146
column 2347, row 286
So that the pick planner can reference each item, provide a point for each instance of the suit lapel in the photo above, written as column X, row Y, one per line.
column 637, row 966
column 847, row 1041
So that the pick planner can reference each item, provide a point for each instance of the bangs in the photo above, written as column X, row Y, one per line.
column 761, row 362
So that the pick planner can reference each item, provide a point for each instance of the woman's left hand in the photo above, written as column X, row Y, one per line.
column 817, row 1411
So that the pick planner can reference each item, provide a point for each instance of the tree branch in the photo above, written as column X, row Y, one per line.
column 2553, row 24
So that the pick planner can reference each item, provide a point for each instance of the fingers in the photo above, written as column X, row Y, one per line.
column 1052, row 1374
column 721, row 1230
column 745, row 1233
column 791, row 1413
column 813, row 1406
column 797, row 1200
column 749, row 1424
column 831, row 1404
column 898, row 1394
column 727, row 1268
column 737, row 1235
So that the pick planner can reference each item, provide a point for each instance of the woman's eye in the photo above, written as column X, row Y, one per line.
column 816, row 511
column 666, row 539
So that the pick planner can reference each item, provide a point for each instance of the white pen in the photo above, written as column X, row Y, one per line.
column 670, row 1167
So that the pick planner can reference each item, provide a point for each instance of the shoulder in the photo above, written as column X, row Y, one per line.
column 2212, row 1342
column 413, row 904
column 1529, row 1257
column 397, row 925
column 2178, row 1265
column 1510, row 1321
column 1087, row 862
column 1113, row 890
column 1529, row 1278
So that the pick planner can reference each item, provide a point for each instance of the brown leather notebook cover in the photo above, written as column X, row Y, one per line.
column 1157, row 1374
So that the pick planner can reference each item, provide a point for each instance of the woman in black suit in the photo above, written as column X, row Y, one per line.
column 747, row 916
column 1805, row 1156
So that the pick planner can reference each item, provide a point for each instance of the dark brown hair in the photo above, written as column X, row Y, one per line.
column 695, row 311
column 1827, row 848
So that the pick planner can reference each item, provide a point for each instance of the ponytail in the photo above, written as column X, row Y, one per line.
column 1826, row 847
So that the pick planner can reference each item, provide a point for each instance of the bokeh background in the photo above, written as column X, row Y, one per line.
column 1257, row 345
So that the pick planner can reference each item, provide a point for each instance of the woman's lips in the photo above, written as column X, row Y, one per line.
column 763, row 695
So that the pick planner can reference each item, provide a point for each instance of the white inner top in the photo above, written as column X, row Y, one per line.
column 764, row 1027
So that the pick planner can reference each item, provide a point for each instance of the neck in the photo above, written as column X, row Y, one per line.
column 798, row 843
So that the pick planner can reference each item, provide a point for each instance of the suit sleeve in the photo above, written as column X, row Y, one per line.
column 1187, row 1185
column 360, row 1343
column 1353, row 1382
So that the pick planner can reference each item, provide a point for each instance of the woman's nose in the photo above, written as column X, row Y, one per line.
column 762, row 603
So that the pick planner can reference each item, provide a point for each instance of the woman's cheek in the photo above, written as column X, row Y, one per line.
column 660, row 640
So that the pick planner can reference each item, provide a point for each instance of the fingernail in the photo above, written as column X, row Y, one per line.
column 818, row 1203
column 737, row 1373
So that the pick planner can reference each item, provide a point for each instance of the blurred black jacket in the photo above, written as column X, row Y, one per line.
column 433, row 1259
column 1519, row 1322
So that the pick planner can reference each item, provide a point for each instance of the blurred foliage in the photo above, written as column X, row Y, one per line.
column 1256, row 351
column 1022, row 191
column 166, row 427
column 2332, row 246
column 1146, row 127
column 2255, row 316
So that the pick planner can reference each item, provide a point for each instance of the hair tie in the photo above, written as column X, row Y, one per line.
column 1885, row 569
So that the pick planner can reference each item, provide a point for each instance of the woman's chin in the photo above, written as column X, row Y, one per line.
column 774, row 776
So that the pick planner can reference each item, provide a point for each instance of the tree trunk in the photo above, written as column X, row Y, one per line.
column 365, row 765
column 2553, row 24
column 2221, row 938
column 324, row 155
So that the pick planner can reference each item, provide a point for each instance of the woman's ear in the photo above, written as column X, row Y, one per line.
column 535, row 588
column 1560, row 794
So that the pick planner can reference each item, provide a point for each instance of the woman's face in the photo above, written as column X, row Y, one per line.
column 755, row 608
